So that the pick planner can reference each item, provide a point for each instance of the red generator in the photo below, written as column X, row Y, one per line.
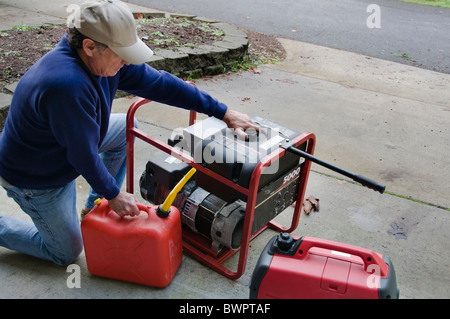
column 240, row 186
column 313, row 268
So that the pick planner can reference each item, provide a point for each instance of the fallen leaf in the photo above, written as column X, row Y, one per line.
column 314, row 201
column 245, row 99
column 311, row 203
column 255, row 70
column 307, row 207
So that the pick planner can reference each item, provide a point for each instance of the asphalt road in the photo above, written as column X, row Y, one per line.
column 392, row 30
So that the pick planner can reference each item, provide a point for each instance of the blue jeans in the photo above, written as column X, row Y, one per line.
column 54, row 233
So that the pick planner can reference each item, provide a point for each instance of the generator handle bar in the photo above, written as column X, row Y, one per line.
column 357, row 178
column 368, row 257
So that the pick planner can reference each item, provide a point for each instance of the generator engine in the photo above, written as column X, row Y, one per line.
column 213, row 209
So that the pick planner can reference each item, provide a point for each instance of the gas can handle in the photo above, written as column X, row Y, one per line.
column 368, row 256
column 100, row 202
column 143, row 207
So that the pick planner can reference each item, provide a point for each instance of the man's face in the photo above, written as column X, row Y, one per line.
column 105, row 62
column 101, row 61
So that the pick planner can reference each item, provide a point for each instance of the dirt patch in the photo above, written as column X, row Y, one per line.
column 22, row 46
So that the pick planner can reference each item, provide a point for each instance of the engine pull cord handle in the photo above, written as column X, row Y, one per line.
column 164, row 208
column 357, row 178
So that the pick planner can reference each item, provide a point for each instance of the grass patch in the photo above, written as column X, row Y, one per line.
column 434, row 3
column 385, row 192
column 404, row 56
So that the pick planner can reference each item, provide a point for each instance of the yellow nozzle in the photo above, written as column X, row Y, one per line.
column 97, row 201
column 171, row 197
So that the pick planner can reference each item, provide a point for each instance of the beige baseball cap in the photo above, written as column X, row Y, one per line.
column 111, row 22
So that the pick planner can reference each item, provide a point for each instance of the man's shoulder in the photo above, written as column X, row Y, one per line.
column 56, row 72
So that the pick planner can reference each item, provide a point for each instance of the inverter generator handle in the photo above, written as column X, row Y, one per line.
column 368, row 256
column 357, row 178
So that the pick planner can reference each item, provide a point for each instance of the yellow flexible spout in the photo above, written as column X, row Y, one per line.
column 171, row 197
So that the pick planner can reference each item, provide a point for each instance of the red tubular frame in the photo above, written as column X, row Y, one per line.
column 192, row 243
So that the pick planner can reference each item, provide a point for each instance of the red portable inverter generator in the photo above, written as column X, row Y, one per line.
column 313, row 268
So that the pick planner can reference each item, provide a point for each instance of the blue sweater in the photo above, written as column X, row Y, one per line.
column 60, row 112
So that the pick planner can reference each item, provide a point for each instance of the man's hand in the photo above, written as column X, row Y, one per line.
column 240, row 122
column 124, row 204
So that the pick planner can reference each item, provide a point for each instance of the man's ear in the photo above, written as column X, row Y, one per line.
column 88, row 47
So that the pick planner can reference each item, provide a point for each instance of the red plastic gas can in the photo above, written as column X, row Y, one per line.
column 145, row 249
